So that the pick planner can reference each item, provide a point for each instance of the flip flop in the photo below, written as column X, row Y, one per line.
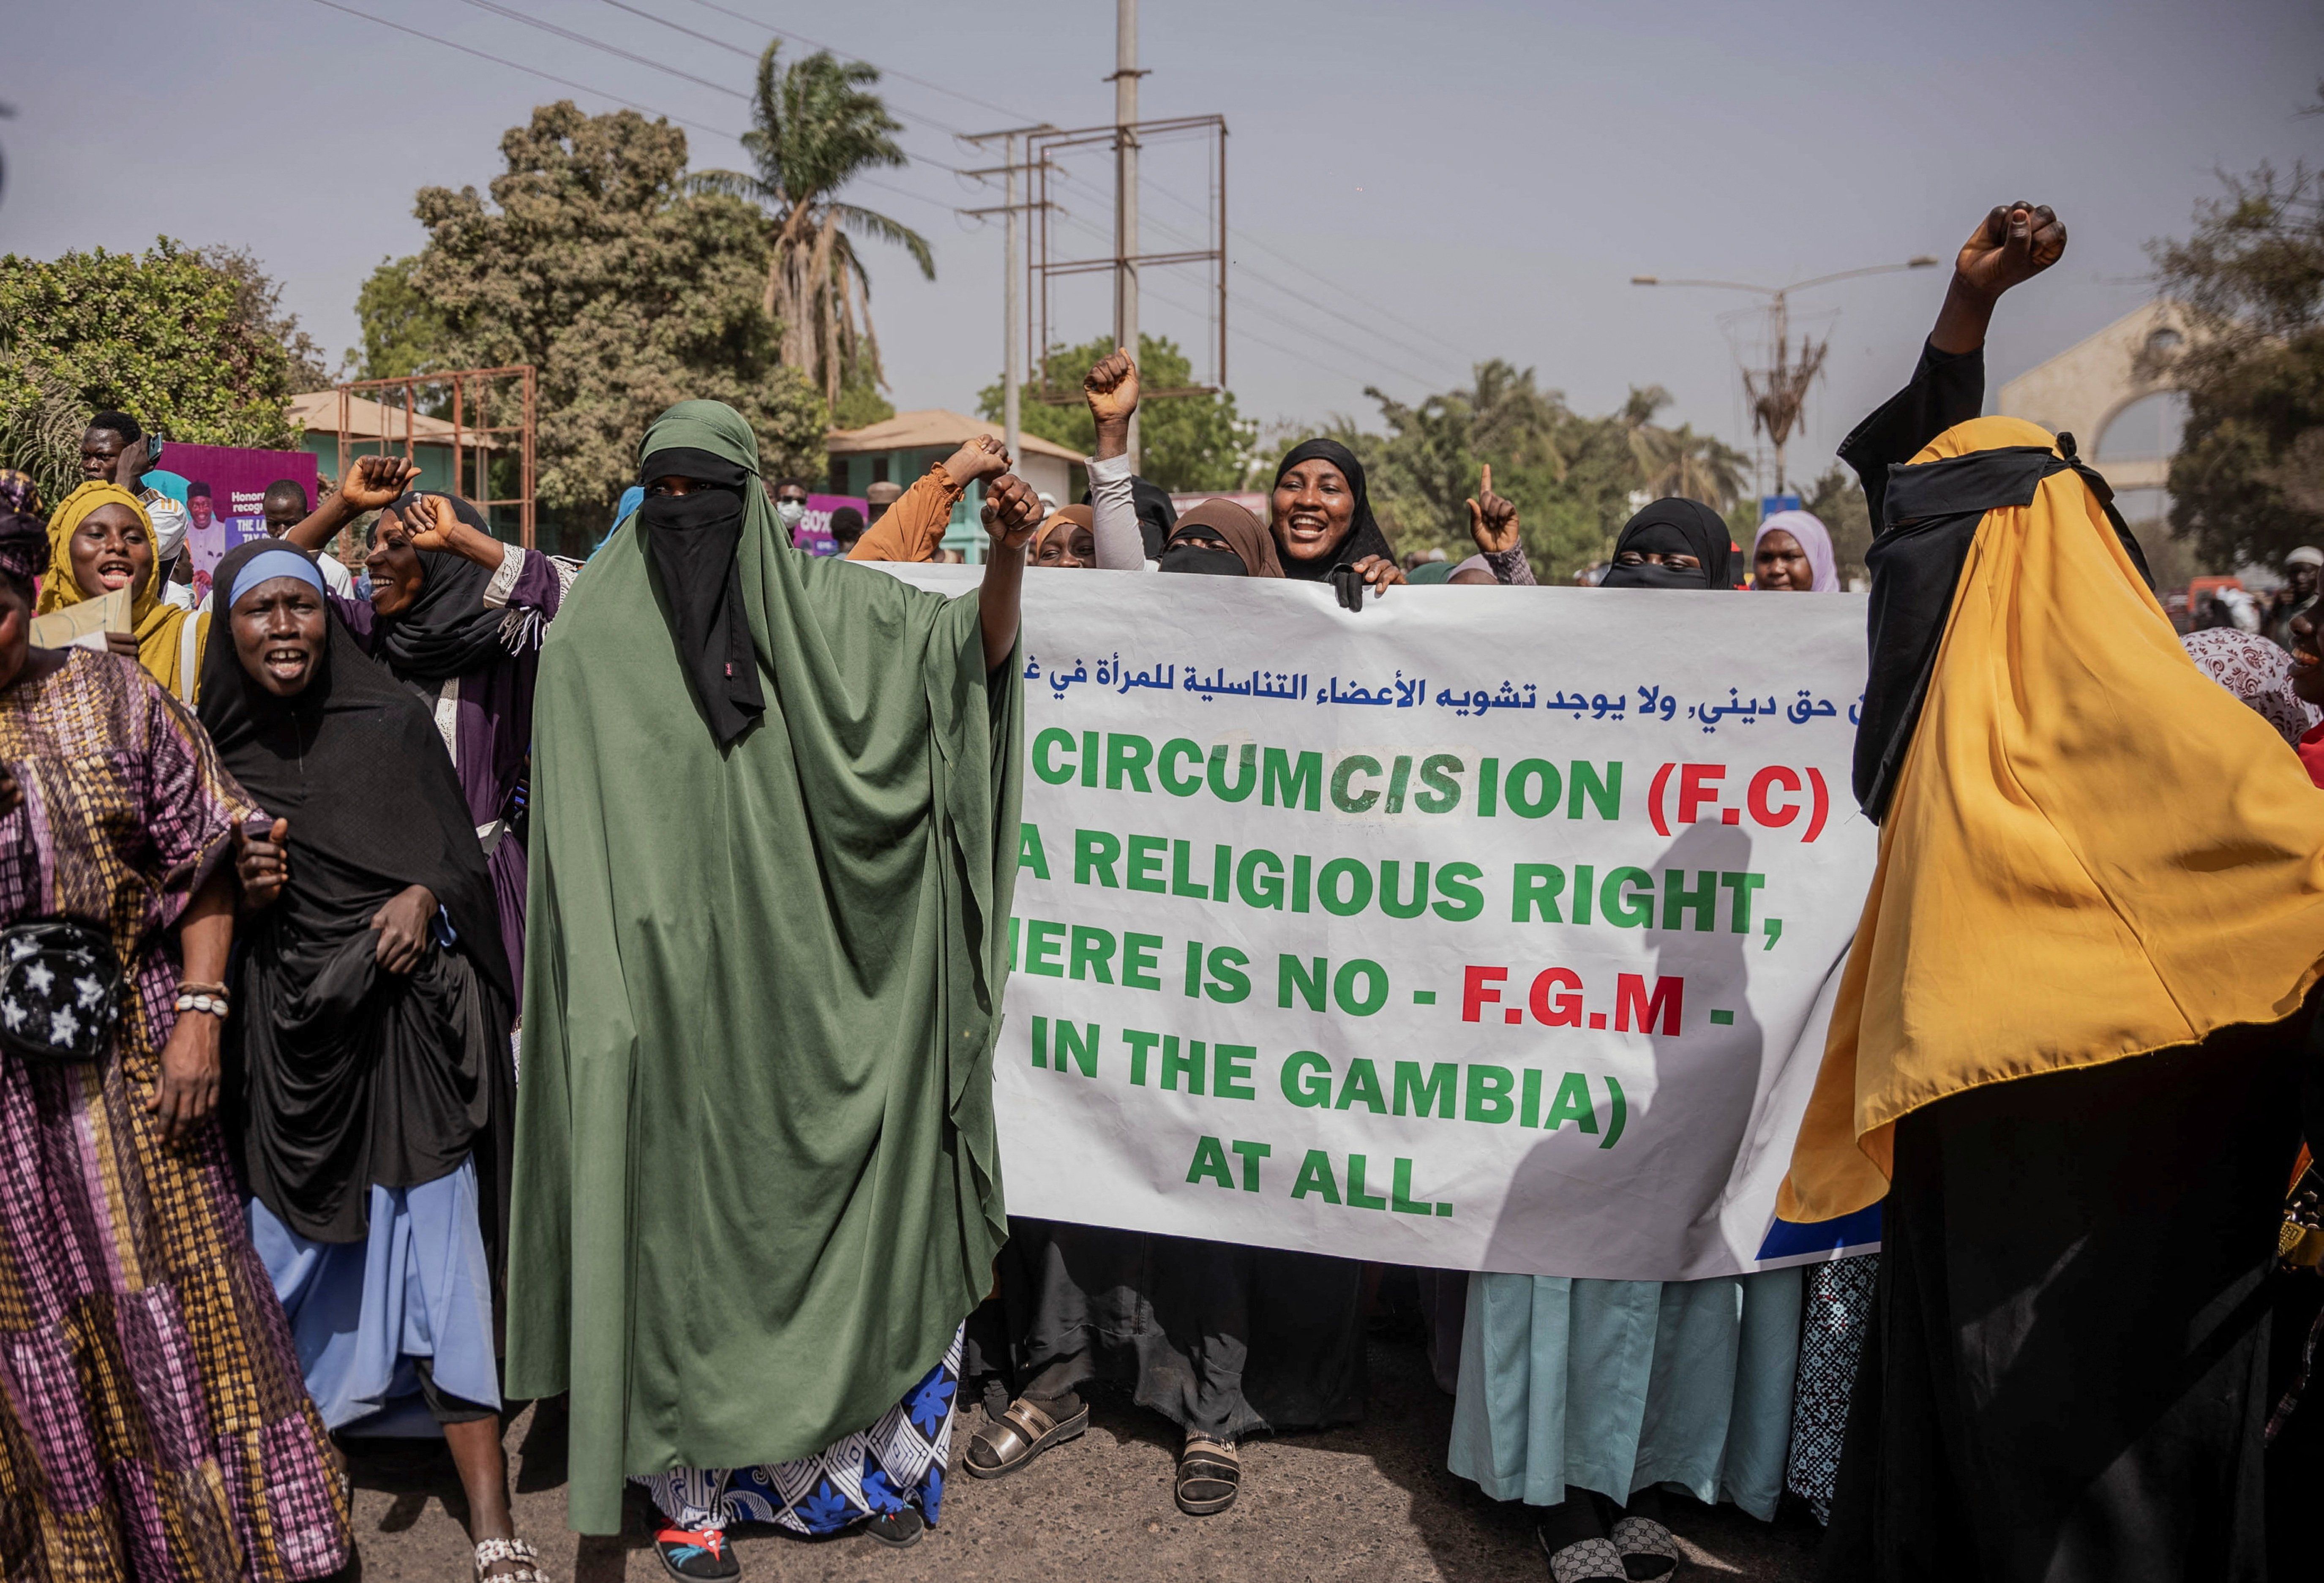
column 696, row 1555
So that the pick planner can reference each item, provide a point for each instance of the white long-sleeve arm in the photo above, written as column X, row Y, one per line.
column 1113, row 509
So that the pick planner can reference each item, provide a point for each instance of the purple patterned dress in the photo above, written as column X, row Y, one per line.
column 153, row 1424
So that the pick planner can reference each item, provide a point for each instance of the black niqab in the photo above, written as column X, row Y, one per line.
column 346, row 1075
column 1933, row 511
column 1363, row 537
column 1675, row 526
column 1157, row 514
column 448, row 630
column 691, row 539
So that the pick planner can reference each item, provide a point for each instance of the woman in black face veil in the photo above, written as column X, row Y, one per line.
column 1673, row 543
column 1687, row 1383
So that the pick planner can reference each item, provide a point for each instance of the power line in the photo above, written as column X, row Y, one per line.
column 1426, row 354
column 999, row 109
column 1243, row 236
column 602, row 94
column 586, row 41
column 529, row 70
column 1260, row 310
column 1431, row 353
column 615, row 49
column 888, row 70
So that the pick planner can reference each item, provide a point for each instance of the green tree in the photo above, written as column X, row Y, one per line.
column 592, row 262
column 402, row 333
column 2247, row 483
column 815, row 127
column 1837, row 501
column 1184, row 442
column 164, row 335
column 1574, row 478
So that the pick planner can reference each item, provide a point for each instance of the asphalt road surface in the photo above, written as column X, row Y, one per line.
column 1370, row 1502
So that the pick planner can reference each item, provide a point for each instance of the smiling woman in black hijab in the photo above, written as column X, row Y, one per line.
column 1322, row 517
column 1673, row 543
column 369, row 1078
column 447, row 628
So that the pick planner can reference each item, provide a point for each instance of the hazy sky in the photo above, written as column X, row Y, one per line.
column 1490, row 175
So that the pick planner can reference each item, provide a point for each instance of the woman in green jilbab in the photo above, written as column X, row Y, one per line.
column 774, row 834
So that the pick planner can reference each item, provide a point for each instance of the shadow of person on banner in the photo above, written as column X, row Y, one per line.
column 1659, row 1157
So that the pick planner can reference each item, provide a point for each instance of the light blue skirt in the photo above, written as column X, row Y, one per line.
column 1614, row 1386
column 418, row 1286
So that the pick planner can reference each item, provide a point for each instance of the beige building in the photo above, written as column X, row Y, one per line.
column 2125, row 426
column 900, row 449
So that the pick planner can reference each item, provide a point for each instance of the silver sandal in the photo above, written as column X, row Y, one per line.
column 491, row 1551
column 1206, row 1468
column 1023, row 1433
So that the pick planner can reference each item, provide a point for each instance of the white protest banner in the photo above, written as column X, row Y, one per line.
column 1483, row 928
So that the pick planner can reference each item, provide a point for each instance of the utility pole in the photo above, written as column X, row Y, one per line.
column 1012, row 376
column 1125, row 190
column 1013, row 143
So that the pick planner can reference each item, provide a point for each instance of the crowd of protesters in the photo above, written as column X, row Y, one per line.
column 387, row 976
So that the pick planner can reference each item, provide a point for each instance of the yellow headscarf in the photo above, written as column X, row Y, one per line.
column 160, row 626
column 2093, row 851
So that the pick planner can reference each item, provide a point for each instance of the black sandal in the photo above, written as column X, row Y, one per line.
column 1210, row 1474
column 1023, row 1433
column 897, row 1529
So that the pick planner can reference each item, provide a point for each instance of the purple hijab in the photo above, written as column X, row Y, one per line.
column 1813, row 538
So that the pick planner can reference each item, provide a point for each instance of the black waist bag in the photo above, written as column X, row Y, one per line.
column 59, row 990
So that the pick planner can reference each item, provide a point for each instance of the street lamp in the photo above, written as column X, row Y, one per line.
column 1777, row 394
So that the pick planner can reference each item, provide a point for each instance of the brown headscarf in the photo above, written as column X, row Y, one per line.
column 1067, row 517
column 1243, row 533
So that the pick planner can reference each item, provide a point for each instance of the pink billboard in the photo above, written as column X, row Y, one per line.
column 225, row 489
column 813, row 534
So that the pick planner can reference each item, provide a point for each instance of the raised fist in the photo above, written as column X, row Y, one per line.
column 1013, row 510
column 2009, row 247
column 1112, row 388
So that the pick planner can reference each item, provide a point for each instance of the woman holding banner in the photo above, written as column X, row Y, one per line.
column 1792, row 554
column 1584, row 1396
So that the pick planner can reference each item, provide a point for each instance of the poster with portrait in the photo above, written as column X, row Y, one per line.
column 226, row 497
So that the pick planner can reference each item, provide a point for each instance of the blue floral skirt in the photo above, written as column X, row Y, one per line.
column 898, row 1462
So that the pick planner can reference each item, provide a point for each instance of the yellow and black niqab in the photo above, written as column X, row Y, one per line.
column 2089, row 849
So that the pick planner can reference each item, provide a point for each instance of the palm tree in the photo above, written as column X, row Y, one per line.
column 1679, row 461
column 815, row 127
